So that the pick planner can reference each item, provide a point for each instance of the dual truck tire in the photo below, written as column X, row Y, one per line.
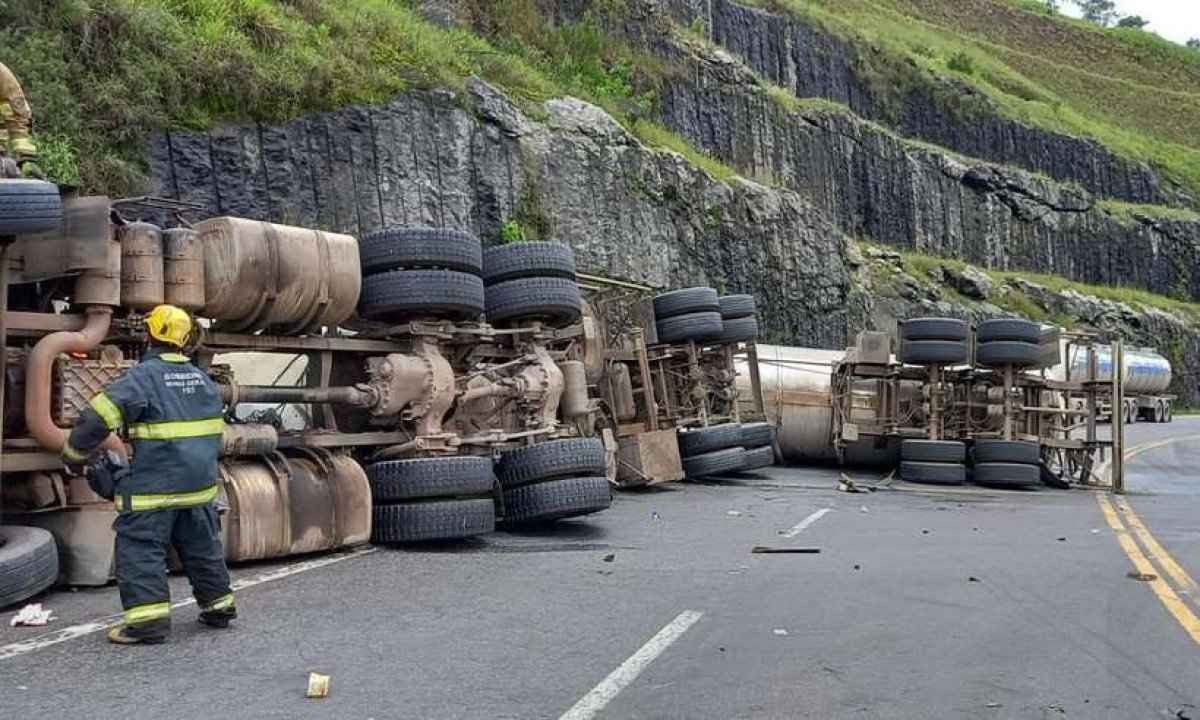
column 997, row 463
column 699, row 314
column 441, row 274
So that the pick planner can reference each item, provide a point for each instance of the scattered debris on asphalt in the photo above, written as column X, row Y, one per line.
column 32, row 615
column 846, row 484
column 858, row 567
column 318, row 685
column 1144, row 577
column 924, row 531
column 1095, row 531
column 764, row 550
column 734, row 513
column 780, row 631
column 1062, row 539
column 994, row 705
column 1184, row 713
column 610, row 557
column 863, row 509
column 972, row 578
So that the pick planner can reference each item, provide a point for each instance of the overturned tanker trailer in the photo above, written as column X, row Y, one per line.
column 423, row 379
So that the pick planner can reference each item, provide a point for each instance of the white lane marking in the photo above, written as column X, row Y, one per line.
column 601, row 695
column 70, row 633
column 803, row 524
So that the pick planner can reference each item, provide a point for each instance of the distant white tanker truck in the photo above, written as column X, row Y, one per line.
column 1147, row 377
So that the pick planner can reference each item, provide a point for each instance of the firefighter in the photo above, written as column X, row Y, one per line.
column 171, row 412
column 15, row 122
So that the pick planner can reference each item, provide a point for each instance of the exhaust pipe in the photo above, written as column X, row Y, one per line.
column 39, row 368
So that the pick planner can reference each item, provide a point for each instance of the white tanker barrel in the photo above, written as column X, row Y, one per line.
column 1146, row 372
column 796, row 388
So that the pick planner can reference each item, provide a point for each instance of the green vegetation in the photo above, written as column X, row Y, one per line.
column 512, row 232
column 1130, row 90
column 104, row 74
column 1129, row 212
column 924, row 267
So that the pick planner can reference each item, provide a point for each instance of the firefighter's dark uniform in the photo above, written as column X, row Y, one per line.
column 172, row 414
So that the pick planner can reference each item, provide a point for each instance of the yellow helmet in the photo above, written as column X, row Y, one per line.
column 169, row 324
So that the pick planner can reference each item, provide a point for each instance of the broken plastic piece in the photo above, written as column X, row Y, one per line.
column 32, row 615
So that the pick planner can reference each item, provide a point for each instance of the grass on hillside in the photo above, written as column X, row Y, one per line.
column 103, row 74
column 1139, row 97
column 923, row 266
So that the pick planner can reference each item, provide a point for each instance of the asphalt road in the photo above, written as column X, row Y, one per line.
column 968, row 603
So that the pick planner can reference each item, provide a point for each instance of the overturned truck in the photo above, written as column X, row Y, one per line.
column 410, row 386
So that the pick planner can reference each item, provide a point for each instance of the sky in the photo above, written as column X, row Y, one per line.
column 1176, row 20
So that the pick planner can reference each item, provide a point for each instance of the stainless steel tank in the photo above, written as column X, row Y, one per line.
column 1146, row 372
column 260, row 275
column 797, row 395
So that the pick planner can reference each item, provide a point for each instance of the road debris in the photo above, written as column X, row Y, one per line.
column 994, row 705
column 864, row 509
column 780, row 631
column 1062, row 539
column 32, row 615
column 733, row 513
column 318, row 685
column 610, row 557
column 858, row 567
column 1144, row 577
column 972, row 578
column 764, row 550
column 924, row 531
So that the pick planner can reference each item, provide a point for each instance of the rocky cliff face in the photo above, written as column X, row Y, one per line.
column 475, row 161
column 875, row 184
column 812, row 62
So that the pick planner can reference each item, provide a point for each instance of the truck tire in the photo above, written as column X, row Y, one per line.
column 420, row 247
column 1167, row 411
column 432, row 520
column 554, row 301
column 934, row 329
column 528, row 260
column 573, row 457
column 714, row 463
column 446, row 477
column 759, row 457
column 1007, row 352
column 938, row 451
column 1007, row 474
column 1009, row 329
column 738, row 330
column 736, row 306
column 755, row 435
column 686, row 302
column 556, row 499
column 28, row 563
column 1006, row 451
column 407, row 294
column 699, row 441
column 692, row 326
column 29, row 206
column 933, row 352
column 933, row 473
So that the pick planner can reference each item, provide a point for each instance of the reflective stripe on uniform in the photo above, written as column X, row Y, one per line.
column 165, row 501
column 174, row 357
column 108, row 411
column 225, row 601
column 177, row 430
column 147, row 613
column 71, row 454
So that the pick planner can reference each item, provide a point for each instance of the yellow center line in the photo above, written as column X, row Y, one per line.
column 1157, row 552
column 1178, row 609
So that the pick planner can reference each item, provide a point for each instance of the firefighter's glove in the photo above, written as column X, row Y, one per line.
column 106, row 473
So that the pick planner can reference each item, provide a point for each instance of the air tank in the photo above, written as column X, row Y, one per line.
column 1146, row 372
column 290, row 280
column 797, row 395
column 141, row 266
column 183, row 268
